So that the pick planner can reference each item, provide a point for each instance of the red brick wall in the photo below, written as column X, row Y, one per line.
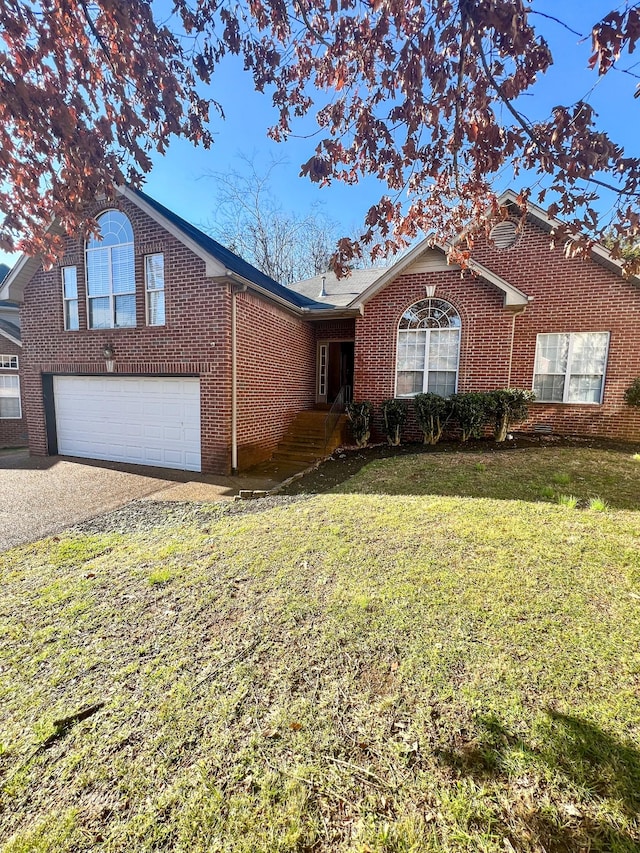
column 276, row 375
column 569, row 296
column 484, row 344
column 572, row 295
column 13, row 432
column 335, row 330
column 195, row 340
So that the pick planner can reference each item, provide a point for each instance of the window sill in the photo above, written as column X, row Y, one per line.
column 563, row 403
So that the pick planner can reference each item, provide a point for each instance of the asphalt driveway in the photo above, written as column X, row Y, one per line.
column 40, row 496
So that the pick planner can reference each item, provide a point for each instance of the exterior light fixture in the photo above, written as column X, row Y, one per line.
column 430, row 290
column 108, row 354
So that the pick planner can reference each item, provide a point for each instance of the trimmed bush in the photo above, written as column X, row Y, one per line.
column 471, row 412
column 508, row 406
column 632, row 394
column 394, row 415
column 432, row 413
column 360, row 416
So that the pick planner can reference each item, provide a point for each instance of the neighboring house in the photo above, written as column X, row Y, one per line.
column 13, row 428
column 156, row 345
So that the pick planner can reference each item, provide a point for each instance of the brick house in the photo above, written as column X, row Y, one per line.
column 156, row 345
column 13, row 427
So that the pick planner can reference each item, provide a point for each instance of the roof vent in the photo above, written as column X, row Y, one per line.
column 505, row 234
column 323, row 291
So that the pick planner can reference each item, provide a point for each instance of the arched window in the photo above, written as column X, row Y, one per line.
column 428, row 349
column 111, row 284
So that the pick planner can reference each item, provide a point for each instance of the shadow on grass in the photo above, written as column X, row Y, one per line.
column 528, row 469
column 588, row 796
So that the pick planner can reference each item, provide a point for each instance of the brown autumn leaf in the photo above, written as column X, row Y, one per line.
column 424, row 96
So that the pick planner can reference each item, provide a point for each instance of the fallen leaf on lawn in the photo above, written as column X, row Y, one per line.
column 271, row 732
column 571, row 810
column 295, row 726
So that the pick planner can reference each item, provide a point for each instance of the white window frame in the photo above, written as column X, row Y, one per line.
column 148, row 291
column 110, row 295
column 67, row 300
column 426, row 371
column 568, row 374
column 15, row 383
column 9, row 362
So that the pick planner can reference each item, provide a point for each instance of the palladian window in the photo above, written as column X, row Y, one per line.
column 111, row 285
column 428, row 349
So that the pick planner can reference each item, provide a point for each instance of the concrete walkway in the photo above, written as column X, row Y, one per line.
column 40, row 496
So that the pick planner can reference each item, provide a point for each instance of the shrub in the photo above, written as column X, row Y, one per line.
column 632, row 394
column 508, row 406
column 360, row 416
column 472, row 412
column 394, row 415
column 432, row 413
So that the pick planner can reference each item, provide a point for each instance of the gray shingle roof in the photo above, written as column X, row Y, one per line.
column 340, row 292
column 226, row 257
column 10, row 329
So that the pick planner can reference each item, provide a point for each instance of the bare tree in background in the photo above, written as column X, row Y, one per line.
column 286, row 245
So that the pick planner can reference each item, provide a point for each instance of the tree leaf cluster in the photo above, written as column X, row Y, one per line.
column 424, row 95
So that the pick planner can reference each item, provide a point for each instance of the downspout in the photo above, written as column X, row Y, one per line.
column 235, row 289
column 513, row 334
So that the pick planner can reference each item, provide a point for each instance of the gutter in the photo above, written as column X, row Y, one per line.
column 305, row 312
column 246, row 284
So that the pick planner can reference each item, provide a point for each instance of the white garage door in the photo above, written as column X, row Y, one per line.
column 129, row 419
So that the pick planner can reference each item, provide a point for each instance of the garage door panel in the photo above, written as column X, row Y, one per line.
column 152, row 421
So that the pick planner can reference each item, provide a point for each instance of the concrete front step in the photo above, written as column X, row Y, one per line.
column 305, row 440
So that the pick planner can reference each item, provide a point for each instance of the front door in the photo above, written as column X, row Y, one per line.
column 335, row 371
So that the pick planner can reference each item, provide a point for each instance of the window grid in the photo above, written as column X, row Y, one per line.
column 9, row 362
column 70, row 298
column 154, row 287
column 322, row 373
column 428, row 349
column 576, row 384
column 111, row 301
column 10, row 403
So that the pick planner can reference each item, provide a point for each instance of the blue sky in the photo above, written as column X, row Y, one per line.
column 179, row 179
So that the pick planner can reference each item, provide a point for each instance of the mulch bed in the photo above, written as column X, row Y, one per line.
column 346, row 462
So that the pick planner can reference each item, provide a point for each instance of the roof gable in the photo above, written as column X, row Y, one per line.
column 219, row 261
column 428, row 256
column 598, row 252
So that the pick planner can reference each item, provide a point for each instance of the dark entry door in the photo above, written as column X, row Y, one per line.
column 340, row 369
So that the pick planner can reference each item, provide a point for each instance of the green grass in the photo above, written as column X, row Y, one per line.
column 570, row 501
column 357, row 672
column 530, row 474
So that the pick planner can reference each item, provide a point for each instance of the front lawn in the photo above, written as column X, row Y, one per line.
column 375, row 669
